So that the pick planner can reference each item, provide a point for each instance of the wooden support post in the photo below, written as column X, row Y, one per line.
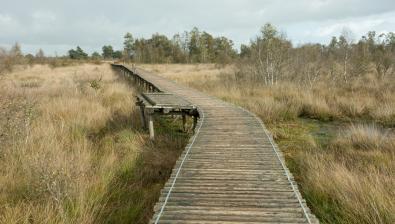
column 194, row 123
column 184, row 122
column 142, row 117
column 151, row 126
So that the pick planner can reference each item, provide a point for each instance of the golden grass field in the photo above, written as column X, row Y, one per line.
column 72, row 150
column 338, row 141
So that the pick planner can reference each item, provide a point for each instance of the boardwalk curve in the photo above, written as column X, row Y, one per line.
column 231, row 171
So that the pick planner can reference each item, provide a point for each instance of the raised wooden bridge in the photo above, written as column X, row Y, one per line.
column 231, row 171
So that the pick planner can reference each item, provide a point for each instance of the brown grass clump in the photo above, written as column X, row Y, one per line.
column 354, row 178
column 385, row 113
column 83, row 157
column 365, row 137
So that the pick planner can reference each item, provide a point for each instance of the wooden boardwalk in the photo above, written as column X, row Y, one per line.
column 230, row 172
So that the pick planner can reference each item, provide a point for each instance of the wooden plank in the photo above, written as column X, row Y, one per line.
column 163, row 100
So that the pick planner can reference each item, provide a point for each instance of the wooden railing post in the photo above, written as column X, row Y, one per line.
column 194, row 123
column 142, row 117
column 151, row 126
column 184, row 122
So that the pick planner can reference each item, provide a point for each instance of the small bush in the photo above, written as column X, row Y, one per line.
column 95, row 84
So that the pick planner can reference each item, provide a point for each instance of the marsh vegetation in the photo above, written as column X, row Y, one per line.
column 71, row 153
column 338, row 140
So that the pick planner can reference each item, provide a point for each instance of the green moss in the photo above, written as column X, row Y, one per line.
column 323, row 132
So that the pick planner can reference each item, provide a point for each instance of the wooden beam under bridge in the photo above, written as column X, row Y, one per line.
column 161, row 103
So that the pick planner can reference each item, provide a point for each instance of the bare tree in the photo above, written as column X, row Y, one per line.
column 269, row 52
column 345, row 41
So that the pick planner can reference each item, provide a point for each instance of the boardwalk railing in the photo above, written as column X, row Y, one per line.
column 231, row 171
column 130, row 73
column 157, row 102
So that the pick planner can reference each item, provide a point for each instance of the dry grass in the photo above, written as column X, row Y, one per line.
column 365, row 137
column 346, row 170
column 185, row 72
column 354, row 178
column 366, row 99
column 83, row 157
column 72, row 151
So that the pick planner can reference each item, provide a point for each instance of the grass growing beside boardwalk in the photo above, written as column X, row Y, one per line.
column 338, row 141
column 354, row 177
column 82, row 156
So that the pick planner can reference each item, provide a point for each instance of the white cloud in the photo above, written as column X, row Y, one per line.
column 91, row 24
column 7, row 23
column 44, row 16
column 5, row 19
column 322, row 31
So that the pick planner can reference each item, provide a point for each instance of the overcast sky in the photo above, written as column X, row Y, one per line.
column 58, row 25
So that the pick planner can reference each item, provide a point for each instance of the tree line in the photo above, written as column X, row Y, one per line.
column 189, row 47
column 108, row 53
column 194, row 46
column 268, row 58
